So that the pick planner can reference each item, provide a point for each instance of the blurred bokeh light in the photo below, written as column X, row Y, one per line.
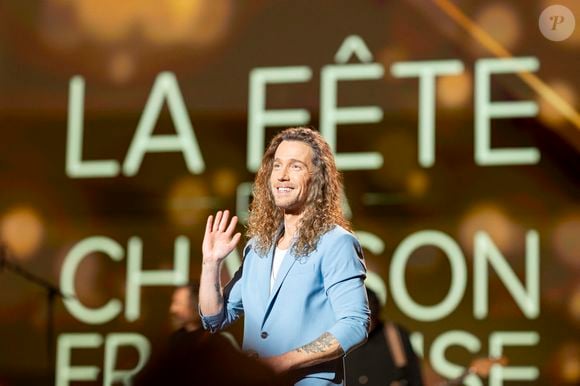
column 574, row 305
column 502, row 22
column 22, row 230
column 566, row 364
column 548, row 114
column 188, row 200
column 389, row 55
column 454, row 91
column 122, row 67
column 109, row 22
column 399, row 151
column 417, row 183
column 224, row 182
column 491, row 219
column 566, row 240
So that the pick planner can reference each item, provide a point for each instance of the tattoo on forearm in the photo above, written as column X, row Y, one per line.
column 321, row 344
column 219, row 293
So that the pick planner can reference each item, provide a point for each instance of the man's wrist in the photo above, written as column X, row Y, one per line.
column 283, row 362
column 210, row 263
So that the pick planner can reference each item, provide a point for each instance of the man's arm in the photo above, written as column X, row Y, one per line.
column 322, row 349
column 219, row 240
column 211, row 299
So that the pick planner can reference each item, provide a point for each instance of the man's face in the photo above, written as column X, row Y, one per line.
column 181, row 310
column 290, row 176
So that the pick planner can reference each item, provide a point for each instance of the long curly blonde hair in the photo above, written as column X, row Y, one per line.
column 322, row 208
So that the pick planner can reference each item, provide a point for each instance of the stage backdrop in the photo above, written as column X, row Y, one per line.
column 124, row 124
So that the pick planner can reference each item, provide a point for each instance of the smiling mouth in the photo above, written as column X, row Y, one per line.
column 283, row 189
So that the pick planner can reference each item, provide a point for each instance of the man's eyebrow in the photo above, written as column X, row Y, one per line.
column 291, row 160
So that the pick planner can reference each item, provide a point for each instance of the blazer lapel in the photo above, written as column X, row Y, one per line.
column 264, row 278
column 287, row 263
column 267, row 271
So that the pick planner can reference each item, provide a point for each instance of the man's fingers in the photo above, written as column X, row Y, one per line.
column 224, row 221
column 232, row 225
column 209, row 224
column 218, row 219
column 235, row 239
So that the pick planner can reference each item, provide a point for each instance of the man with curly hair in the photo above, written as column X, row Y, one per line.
column 301, row 284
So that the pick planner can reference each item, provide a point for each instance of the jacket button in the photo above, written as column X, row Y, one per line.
column 264, row 335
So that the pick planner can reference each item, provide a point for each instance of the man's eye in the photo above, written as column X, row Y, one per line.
column 297, row 167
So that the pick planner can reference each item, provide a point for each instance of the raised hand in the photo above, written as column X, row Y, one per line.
column 219, row 239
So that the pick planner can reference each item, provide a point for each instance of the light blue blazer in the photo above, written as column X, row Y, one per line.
column 321, row 292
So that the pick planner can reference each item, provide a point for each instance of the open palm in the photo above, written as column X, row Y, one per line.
column 219, row 239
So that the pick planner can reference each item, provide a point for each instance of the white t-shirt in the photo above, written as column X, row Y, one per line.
column 276, row 263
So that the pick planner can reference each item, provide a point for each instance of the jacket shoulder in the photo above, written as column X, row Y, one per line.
column 338, row 233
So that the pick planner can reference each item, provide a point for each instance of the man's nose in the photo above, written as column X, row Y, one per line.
column 283, row 174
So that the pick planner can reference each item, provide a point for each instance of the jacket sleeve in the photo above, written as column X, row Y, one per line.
column 344, row 271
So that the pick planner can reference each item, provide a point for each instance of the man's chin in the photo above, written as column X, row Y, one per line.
column 285, row 207
column 292, row 210
column 281, row 204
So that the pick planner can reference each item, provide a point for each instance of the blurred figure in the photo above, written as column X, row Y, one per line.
column 182, row 308
column 186, row 321
column 387, row 358
column 193, row 356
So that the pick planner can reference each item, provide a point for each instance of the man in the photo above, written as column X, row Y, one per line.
column 301, row 284
column 387, row 358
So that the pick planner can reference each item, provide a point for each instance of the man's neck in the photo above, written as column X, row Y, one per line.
column 291, row 222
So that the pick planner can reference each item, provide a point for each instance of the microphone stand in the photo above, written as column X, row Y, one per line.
column 52, row 292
